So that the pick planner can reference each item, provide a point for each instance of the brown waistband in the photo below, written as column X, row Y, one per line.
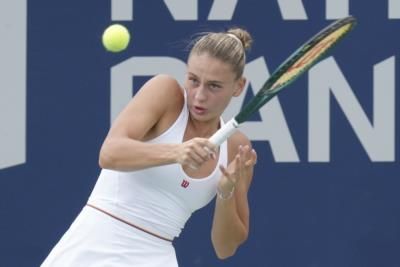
column 128, row 223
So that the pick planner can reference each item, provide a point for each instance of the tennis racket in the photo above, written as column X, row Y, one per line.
column 291, row 69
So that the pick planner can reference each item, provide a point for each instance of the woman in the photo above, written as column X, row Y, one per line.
column 159, row 167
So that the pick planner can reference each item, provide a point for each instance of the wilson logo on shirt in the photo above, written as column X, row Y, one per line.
column 185, row 183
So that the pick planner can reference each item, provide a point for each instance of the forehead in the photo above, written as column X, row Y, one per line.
column 210, row 68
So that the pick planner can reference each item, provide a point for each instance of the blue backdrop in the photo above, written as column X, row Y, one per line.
column 325, row 192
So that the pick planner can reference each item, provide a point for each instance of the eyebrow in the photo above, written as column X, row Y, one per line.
column 211, row 81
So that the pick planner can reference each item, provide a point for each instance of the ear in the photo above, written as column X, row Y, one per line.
column 239, row 86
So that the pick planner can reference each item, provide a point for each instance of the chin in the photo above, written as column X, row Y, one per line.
column 202, row 118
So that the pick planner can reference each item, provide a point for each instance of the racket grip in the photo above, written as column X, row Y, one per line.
column 224, row 132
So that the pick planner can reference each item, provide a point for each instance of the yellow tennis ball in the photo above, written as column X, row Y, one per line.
column 116, row 38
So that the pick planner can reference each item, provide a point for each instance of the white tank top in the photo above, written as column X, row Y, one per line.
column 158, row 199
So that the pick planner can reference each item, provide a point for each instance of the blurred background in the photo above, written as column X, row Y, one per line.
column 326, row 188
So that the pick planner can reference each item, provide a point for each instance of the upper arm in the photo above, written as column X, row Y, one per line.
column 147, row 108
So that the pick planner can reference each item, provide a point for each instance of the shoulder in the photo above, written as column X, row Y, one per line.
column 165, row 80
column 165, row 99
column 163, row 84
column 158, row 100
column 161, row 91
column 172, row 92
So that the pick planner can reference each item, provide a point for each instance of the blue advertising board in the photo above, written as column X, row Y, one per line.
column 326, row 187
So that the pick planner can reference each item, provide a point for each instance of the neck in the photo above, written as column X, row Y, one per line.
column 203, row 129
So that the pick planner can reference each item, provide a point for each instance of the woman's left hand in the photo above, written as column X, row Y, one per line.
column 240, row 167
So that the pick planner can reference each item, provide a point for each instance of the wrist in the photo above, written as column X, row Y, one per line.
column 174, row 154
column 225, row 189
column 225, row 195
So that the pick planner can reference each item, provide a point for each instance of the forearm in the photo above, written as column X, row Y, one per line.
column 228, row 230
column 126, row 154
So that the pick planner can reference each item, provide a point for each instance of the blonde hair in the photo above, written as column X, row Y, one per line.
column 230, row 47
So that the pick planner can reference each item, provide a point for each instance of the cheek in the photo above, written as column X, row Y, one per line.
column 226, row 103
column 191, row 93
column 222, row 101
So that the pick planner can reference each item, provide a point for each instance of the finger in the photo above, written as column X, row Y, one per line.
column 201, row 147
column 204, row 155
column 245, row 148
column 254, row 155
column 210, row 146
column 197, row 159
column 239, row 155
column 228, row 172
column 210, row 153
column 244, row 154
column 224, row 171
column 243, row 151
column 200, row 153
column 249, row 163
column 253, row 158
column 238, row 159
column 239, row 167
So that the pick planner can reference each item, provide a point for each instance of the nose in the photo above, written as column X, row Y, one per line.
column 201, row 94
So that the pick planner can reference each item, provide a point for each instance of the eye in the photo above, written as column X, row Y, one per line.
column 193, row 81
column 214, row 86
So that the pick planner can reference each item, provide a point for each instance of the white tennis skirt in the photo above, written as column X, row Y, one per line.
column 98, row 240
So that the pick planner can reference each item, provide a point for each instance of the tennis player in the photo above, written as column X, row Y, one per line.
column 158, row 167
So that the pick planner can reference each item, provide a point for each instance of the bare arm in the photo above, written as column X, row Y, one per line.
column 157, row 103
column 231, row 216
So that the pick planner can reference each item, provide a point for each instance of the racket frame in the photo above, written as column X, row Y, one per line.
column 265, row 93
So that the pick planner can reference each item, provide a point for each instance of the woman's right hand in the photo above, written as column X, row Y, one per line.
column 194, row 152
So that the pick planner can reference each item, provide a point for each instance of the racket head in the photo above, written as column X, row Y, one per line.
column 299, row 62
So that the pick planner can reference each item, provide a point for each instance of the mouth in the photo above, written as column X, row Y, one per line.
column 199, row 110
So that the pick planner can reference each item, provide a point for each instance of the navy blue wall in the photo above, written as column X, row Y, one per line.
column 317, row 211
